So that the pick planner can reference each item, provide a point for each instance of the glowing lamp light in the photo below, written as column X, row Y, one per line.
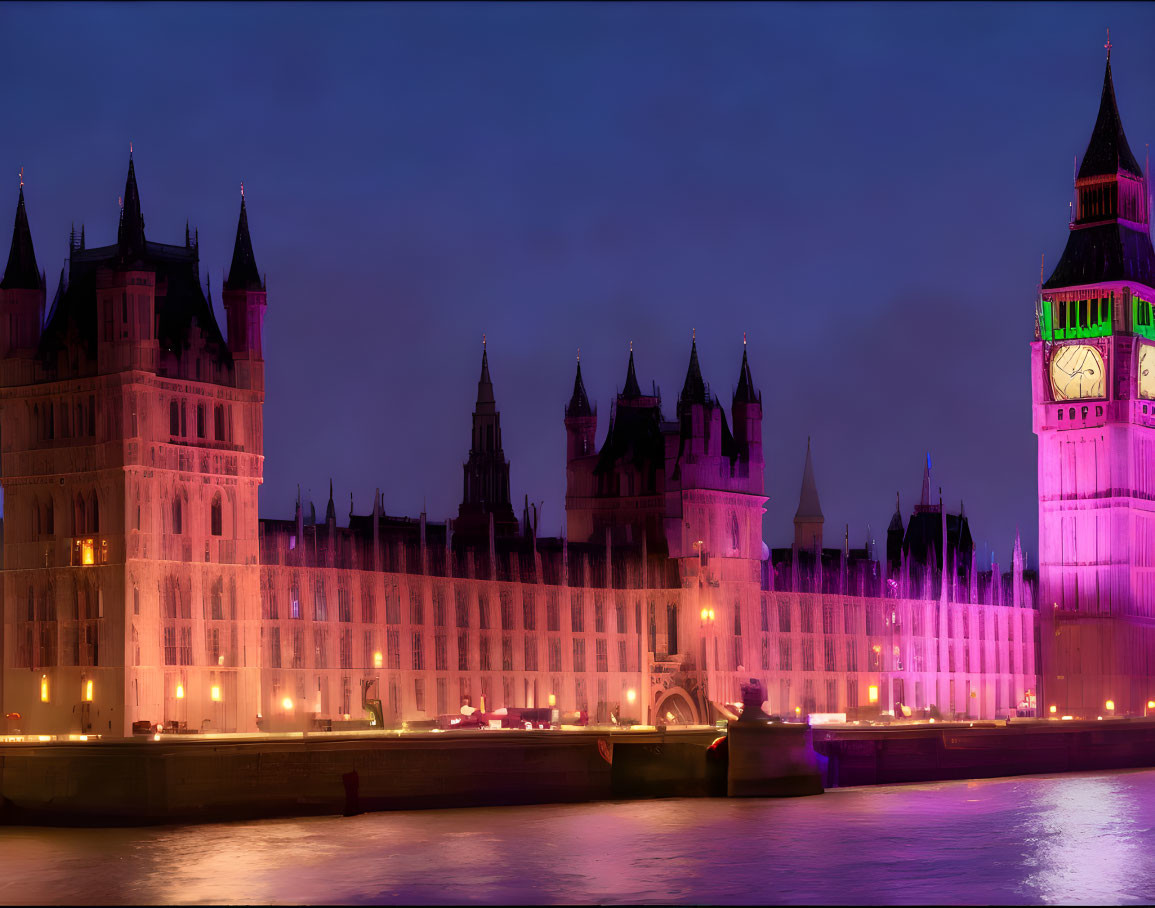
column 287, row 703
column 88, row 691
column 180, row 691
column 216, row 693
column 711, row 614
column 797, row 710
column 87, row 552
column 1110, row 704
column 220, row 660
column 1054, row 709
column 552, row 700
column 872, row 693
column 631, row 695
column 1151, row 704
column 43, row 688
column 377, row 662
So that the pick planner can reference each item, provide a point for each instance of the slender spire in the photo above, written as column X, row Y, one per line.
column 924, row 501
column 330, row 510
column 631, row 390
column 694, row 388
column 809, row 508
column 1108, row 152
column 745, row 393
column 579, row 403
column 131, row 238
column 243, row 273
column 484, row 384
column 21, row 272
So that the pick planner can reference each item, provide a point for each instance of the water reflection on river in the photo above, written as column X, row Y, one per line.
column 1070, row 839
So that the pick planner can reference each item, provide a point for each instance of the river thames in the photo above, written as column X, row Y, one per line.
column 1071, row 839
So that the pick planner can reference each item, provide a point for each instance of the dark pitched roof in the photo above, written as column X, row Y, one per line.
column 579, row 403
column 243, row 274
column 1104, row 252
column 694, row 388
column 21, row 272
column 745, row 393
column 1108, row 152
column 631, row 390
column 130, row 237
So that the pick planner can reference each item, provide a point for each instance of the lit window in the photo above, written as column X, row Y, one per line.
column 872, row 693
column 88, row 691
column 180, row 691
column 43, row 688
column 216, row 693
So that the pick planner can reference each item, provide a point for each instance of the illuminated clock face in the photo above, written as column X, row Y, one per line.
column 1147, row 371
column 1077, row 372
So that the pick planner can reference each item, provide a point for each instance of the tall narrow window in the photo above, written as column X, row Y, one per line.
column 173, row 418
column 200, row 420
column 215, row 515
column 177, row 526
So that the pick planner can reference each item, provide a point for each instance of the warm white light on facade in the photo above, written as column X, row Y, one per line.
column 216, row 692
column 1110, row 705
column 872, row 693
column 180, row 691
column 1054, row 709
column 43, row 688
column 552, row 700
column 87, row 552
column 377, row 661
column 287, row 703
column 631, row 695
column 88, row 691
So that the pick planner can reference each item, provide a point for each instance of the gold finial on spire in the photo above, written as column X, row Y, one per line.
column 483, row 342
column 1108, row 45
column 694, row 335
column 130, row 148
column 242, row 189
column 579, row 354
column 21, row 177
column 631, row 346
column 743, row 338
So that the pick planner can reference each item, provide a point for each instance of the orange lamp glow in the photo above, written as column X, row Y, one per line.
column 88, row 691
column 377, row 661
column 287, row 703
column 216, row 692
column 1110, row 705
column 872, row 693
column 180, row 691
column 43, row 688
column 552, row 701
column 1054, row 709
column 631, row 695
column 87, row 552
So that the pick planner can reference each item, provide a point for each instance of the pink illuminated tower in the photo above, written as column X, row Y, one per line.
column 1093, row 383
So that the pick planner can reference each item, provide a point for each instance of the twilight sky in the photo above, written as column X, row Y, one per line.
column 865, row 189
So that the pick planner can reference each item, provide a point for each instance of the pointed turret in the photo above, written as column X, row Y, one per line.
column 485, row 489
column 1108, row 152
column 243, row 273
column 245, row 301
column 745, row 392
column 808, row 518
column 631, row 389
column 21, row 272
column 579, row 404
column 484, row 383
column 330, row 508
column 694, row 387
column 924, row 499
column 131, row 235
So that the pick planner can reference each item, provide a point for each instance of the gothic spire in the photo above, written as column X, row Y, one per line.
column 484, row 384
column 809, row 508
column 694, row 388
column 1108, row 152
column 924, row 500
column 21, row 272
column 243, row 274
column 579, row 403
column 631, row 390
column 331, row 509
column 745, row 393
column 131, row 234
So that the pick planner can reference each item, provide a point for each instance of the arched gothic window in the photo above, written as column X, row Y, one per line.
column 215, row 522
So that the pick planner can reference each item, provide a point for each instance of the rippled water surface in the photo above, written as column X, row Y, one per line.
column 1069, row 839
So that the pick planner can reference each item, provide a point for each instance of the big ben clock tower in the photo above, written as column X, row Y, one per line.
column 1093, row 383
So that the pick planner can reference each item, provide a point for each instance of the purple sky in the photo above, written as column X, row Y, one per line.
column 865, row 189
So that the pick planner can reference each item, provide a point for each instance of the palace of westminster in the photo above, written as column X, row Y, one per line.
column 140, row 584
